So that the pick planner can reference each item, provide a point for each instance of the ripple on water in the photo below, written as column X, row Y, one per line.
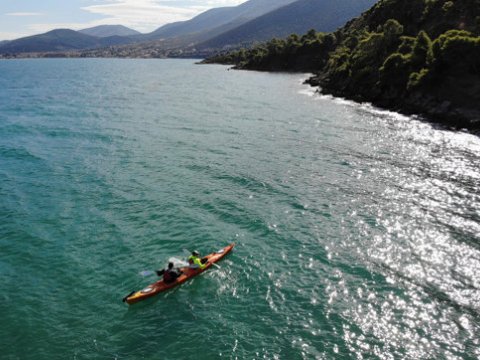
column 357, row 229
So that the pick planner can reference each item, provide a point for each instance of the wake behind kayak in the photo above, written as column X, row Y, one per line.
column 187, row 273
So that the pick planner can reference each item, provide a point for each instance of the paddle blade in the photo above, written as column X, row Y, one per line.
column 178, row 263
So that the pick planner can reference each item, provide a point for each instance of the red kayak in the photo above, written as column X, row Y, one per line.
column 187, row 273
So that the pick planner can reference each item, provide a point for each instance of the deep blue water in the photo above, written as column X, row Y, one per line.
column 357, row 230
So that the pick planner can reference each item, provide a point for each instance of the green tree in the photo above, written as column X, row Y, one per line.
column 406, row 45
column 448, row 7
column 310, row 35
column 457, row 49
column 417, row 79
column 392, row 30
column 395, row 70
column 422, row 50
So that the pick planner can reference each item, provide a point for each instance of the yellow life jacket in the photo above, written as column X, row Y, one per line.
column 195, row 260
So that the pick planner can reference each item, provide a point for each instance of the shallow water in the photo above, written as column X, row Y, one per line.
column 357, row 230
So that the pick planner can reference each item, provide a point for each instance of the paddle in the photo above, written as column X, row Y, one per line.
column 146, row 273
column 150, row 272
column 177, row 264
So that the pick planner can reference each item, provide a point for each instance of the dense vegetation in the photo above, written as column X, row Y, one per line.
column 416, row 56
column 309, row 52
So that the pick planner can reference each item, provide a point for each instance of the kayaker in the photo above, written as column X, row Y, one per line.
column 170, row 274
column 195, row 261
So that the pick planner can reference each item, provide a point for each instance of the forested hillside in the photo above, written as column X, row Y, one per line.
column 420, row 56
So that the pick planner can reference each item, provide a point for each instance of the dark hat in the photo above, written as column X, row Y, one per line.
column 195, row 253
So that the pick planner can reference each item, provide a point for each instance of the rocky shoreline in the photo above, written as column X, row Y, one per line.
column 432, row 110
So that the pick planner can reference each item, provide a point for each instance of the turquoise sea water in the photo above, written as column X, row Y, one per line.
column 357, row 230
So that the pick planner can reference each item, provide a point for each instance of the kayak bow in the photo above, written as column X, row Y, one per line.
column 187, row 273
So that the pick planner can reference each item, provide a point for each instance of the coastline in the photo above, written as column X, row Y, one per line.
column 425, row 106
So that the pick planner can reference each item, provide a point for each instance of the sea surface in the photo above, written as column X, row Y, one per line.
column 357, row 230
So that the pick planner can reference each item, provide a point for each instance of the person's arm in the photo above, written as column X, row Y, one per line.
column 199, row 263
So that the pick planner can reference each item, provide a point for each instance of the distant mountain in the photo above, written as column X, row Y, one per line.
column 109, row 30
column 297, row 17
column 59, row 40
column 180, row 34
column 215, row 29
column 217, row 17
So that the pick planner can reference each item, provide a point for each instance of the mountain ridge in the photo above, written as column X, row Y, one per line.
column 59, row 40
column 197, row 45
column 217, row 18
column 327, row 15
column 183, row 34
column 109, row 30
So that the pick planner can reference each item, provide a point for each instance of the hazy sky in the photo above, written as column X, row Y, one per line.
column 27, row 17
